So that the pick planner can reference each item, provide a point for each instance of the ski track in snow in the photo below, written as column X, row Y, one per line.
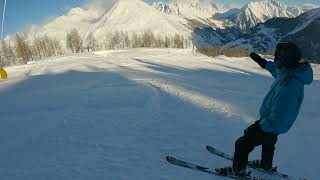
column 117, row 114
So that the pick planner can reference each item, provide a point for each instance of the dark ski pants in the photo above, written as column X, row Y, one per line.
column 254, row 136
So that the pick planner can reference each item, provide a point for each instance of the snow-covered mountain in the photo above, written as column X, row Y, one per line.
column 189, row 8
column 197, row 12
column 184, row 17
column 302, row 30
column 125, row 15
column 134, row 16
column 258, row 12
column 178, row 16
column 137, row 16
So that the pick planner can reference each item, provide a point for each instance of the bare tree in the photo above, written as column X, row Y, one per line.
column 136, row 40
column 45, row 47
column 153, row 39
column 91, row 42
column 115, row 40
column 37, row 48
column 58, row 50
column 2, row 60
column 167, row 42
column 7, row 54
column 22, row 49
column 178, row 41
column 159, row 42
column 74, row 41
column 147, row 39
column 70, row 43
column 127, row 40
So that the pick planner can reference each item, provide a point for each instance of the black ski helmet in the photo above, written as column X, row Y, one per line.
column 287, row 55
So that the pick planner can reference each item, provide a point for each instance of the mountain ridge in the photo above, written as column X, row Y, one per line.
column 257, row 12
column 302, row 30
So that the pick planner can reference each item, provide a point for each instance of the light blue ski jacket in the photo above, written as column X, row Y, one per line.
column 281, row 105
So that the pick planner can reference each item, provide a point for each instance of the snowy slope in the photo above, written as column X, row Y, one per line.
column 259, row 11
column 117, row 114
column 137, row 16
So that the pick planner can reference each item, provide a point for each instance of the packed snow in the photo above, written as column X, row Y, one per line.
column 117, row 114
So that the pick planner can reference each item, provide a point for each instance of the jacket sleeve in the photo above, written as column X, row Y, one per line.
column 283, row 111
column 271, row 67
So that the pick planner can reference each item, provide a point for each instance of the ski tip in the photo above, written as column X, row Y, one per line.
column 169, row 158
column 275, row 169
column 210, row 148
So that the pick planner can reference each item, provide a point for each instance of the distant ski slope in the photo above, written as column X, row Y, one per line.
column 117, row 114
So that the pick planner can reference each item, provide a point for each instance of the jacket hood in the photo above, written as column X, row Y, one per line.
column 304, row 73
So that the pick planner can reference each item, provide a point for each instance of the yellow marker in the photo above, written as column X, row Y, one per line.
column 3, row 74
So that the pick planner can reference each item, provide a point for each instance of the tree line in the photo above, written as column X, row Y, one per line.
column 24, row 49
column 21, row 50
column 213, row 51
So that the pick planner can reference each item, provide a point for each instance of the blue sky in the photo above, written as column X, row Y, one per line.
column 20, row 14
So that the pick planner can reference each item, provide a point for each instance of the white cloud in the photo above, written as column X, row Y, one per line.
column 310, row 5
column 102, row 5
column 234, row 5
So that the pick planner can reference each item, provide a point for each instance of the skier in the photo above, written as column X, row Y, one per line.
column 279, row 109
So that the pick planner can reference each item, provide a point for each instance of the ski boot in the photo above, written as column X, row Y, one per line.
column 226, row 171
column 259, row 164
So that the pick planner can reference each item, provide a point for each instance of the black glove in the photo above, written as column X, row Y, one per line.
column 258, row 59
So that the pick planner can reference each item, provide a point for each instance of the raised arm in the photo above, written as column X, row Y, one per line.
column 268, row 65
column 272, row 68
column 258, row 59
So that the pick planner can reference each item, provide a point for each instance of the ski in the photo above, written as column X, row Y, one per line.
column 228, row 157
column 192, row 166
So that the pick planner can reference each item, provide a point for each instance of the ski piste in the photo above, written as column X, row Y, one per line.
column 228, row 157
column 195, row 167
